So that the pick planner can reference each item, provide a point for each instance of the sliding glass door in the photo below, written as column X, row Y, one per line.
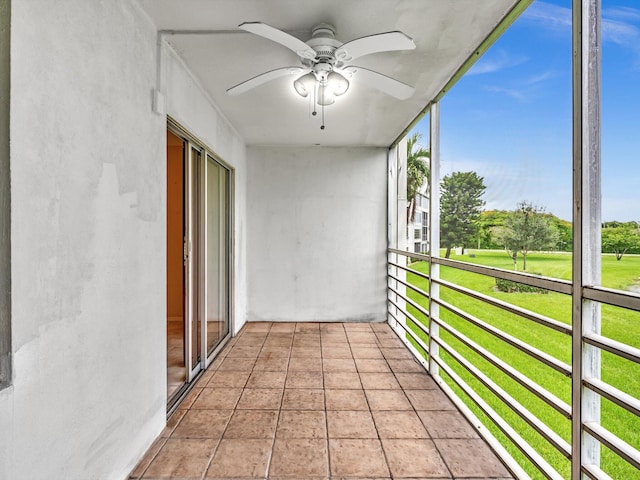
column 203, row 229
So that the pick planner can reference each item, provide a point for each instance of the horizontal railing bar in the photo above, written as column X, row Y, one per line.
column 594, row 473
column 410, row 302
column 512, row 465
column 613, row 297
column 533, row 421
column 420, row 325
column 405, row 253
column 528, row 314
column 424, row 294
column 527, row 450
column 611, row 393
column 621, row 349
column 511, row 340
column 552, row 284
column 410, row 270
column 417, row 339
column 550, row 399
column 614, row 443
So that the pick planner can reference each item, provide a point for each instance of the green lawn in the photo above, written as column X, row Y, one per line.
column 619, row 324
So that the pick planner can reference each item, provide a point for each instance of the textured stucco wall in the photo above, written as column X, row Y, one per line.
column 88, row 243
column 317, row 234
column 192, row 108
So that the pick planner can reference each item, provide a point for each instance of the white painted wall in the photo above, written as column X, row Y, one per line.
column 317, row 234
column 88, row 237
column 188, row 104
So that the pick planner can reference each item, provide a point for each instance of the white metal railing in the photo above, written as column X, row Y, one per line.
column 419, row 333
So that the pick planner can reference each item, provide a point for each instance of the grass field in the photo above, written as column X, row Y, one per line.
column 619, row 324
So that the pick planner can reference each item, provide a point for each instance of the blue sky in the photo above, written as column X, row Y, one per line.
column 509, row 118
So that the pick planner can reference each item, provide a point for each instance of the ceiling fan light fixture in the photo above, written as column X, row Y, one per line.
column 305, row 84
column 325, row 96
column 337, row 84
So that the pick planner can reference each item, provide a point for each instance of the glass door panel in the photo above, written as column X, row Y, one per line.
column 217, row 246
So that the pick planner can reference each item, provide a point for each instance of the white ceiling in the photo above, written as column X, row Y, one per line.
column 446, row 33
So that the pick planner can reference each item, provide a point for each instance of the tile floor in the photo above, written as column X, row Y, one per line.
column 317, row 401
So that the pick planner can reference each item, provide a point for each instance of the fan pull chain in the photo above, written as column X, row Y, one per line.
column 315, row 99
column 322, row 106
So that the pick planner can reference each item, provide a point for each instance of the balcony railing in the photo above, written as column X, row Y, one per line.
column 494, row 392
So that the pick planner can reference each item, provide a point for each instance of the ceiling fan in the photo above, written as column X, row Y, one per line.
column 326, row 67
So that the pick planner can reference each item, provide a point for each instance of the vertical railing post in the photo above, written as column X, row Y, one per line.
column 434, row 233
column 586, row 227
column 392, row 228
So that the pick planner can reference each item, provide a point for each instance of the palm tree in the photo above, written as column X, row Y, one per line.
column 417, row 171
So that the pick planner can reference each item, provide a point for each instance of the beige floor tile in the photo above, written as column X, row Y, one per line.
column 301, row 424
column 396, row 353
column 271, row 364
column 387, row 400
column 191, row 397
column 172, row 422
column 304, row 380
column 303, row 399
column 229, row 379
column 379, row 381
column 182, row 457
column 342, row 380
column 470, row 458
column 372, row 365
column 271, row 352
column 338, row 365
column 260, row 399
column 429, row 400
column 447, row 424
column 147, row 458
column 306, row 352
column 264, row 379
column 252, row 424
column 416, row 381
column 282, row 327
column 357, row 457
column 307, row 327
column 237, row 364
column 254, row 455
column 391, row 343
column 244, row 352
column 303, row 364
column 202, row 424
column 399, row 424
column 337, row 399
column 366, row 352
column 405, row 366
column 217, row 398
column 299, row 458
column 362, row 338
column 336, row 352
column 414, row 458
column 351, row 424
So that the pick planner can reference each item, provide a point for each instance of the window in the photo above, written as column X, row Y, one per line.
column 416, row 247
column 416, row 234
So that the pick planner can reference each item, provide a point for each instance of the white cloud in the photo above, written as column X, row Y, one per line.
column 548, row 15
column 495, row 61
column 517, row 94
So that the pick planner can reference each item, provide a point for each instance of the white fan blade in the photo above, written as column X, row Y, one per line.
column 382, row 42
column 264, row 78
column 385, row 84
column 292, row 43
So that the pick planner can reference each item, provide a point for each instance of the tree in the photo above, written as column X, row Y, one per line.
column 460, row 205
column 527, row 229
column 417, row 171
column 620, row 238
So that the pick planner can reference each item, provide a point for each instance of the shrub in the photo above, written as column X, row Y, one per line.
column 510, row 286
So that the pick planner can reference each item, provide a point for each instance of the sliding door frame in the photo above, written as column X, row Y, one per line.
column 200, row 243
